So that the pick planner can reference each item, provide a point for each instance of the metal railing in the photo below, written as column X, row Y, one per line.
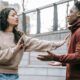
column 55, row 16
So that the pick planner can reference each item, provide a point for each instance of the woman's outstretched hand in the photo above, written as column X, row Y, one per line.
column 48, row 57
column 55, row 63
column 67, row 36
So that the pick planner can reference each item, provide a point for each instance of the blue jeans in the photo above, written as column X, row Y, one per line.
column 9, row 76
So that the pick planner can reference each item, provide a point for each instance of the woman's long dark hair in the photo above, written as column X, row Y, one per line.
column 4, row 23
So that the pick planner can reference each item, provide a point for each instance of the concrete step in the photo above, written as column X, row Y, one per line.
column 42, row 72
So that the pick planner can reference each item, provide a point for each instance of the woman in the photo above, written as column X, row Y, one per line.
column 13, row 43
column 72, row 59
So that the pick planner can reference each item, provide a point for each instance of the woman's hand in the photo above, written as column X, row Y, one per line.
column 66, row 37
column 55, row 64
column 20, row 44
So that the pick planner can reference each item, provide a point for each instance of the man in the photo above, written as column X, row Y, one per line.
column 72, row 59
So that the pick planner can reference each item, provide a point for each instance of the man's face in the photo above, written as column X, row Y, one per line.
column 72, row 15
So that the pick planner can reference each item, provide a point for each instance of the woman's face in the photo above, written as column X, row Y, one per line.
column 12, row 18
column 72, row 15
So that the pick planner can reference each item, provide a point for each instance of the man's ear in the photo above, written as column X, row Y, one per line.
column 78, row 14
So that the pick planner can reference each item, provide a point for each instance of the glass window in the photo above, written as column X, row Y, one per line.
column 20, row 22
column 46, row 19
column 31, row 22
column 62, row 13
